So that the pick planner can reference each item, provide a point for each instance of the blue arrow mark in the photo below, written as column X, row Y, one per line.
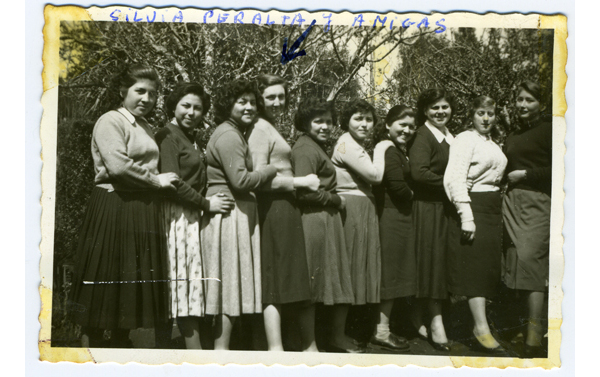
column 289, row 55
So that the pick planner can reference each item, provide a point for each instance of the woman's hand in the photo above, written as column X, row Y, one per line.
column 221, row 203
column 516, row 176
column 342, row 203
column 312, row 182
column 468, row 231
column 168, row 180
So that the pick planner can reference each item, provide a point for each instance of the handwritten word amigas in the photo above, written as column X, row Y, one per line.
column 258, row 18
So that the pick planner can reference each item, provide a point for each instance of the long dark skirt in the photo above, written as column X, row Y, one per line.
column 432, row 221
column 120, row 278
column 474, row 267
column 526, row 262
column 284, row 272
column 398, row 258
column 328, row 263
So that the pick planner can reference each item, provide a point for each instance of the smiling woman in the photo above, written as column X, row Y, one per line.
column 231, row 243
column 113, row 250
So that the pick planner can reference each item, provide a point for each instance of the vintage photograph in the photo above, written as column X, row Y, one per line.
column 304, row 183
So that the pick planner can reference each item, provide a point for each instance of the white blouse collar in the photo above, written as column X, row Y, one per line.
column 127, row 114
column 439, row 135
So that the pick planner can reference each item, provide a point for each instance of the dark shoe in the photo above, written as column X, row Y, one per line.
column 534, row 352
column 444, row 347
column 498, row 351
column 337, row 349
column 358, row 348
column 392, row 343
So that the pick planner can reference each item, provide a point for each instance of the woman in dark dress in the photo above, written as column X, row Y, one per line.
column 526, row 210
column 432, row 212
column 324, row 238
column 285, row 278
column 396, row 230
column 120, row 277
column 472, row 183
column 179, row 154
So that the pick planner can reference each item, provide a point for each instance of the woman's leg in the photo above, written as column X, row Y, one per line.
column 417, row 317
column 535, row 328
column 438, row 332
column 338, row 327
column 223, row 331
column 482, row 329
column 272, row 318
column 190, row 329
column 383, row 325
column 306, row 319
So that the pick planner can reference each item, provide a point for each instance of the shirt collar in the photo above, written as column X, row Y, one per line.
column 439, row 135
column 127, row 114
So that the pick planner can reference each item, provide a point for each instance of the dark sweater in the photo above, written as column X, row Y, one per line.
column 394, row 191
column 309, row 158
column 530, row 149
column 178, row 155
column 428, row 160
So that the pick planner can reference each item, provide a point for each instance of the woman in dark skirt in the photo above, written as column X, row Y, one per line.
column 284, row 272
column 179, row 154
column 526, row 210
column 432, row 212
column 324, row 238
column 231, row 243
column 396, row 231
column 475, row 170
column 120, row 277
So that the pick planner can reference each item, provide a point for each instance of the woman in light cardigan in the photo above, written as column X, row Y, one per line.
column 285, row 278
column 475, row 169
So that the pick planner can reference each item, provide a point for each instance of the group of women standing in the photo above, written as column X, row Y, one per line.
column 264, row 225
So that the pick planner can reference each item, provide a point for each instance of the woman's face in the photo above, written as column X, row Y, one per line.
column 484, row 119
column 438, row 113
column 360, row 126
column 402, row 130
column 188, row 111
column 274, row 100
column 244, row 110
column 319, row 128
column 528, row 107
column 140, row 98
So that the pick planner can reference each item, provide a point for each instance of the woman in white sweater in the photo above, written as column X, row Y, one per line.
column 475, row 170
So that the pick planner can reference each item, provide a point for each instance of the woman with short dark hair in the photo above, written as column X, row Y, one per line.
column 472, row 182
column 231, row 243
column 328, row 263
column 396, row 229
column 186, row 105
column 526, row 209
column 120, row 275
column 432, row 212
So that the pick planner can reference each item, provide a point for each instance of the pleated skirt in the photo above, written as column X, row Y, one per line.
column 284, row 269
column 526, row 263
column 432, row 221
column 186, row 290
column 231, row 260
column 120, row 281
column 328, row 264
column 363, row 248
column 398, row 257
column 474, row 267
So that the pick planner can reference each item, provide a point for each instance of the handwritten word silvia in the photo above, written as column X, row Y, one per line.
column 168, row 15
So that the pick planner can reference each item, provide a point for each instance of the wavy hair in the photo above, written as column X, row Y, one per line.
column 182, row 90
column 353, row 107
column 309, row 109
column 430, row 96
column 226, row 98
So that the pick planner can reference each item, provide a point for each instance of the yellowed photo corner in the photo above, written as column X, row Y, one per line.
column 50, row 76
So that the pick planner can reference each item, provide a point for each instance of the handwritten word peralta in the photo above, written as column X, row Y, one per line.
column 258, row 18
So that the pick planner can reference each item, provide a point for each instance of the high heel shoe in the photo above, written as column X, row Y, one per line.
column 444, row 347
column 478, row 345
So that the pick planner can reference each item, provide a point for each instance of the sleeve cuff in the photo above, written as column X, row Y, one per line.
column 464, row 210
